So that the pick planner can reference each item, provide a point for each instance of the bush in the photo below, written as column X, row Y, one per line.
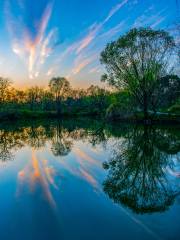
column 118, row 111
column 175, row 109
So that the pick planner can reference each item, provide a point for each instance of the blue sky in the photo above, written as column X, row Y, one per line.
column 40, row 39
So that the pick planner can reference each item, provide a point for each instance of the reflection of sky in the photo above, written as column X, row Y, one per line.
column 84, row 163
column 40, row 39
column 37, row 172
column 68, row 191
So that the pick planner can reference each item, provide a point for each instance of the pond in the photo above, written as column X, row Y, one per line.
column 86, row 179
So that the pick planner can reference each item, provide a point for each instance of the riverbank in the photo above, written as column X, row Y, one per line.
column 18, row 115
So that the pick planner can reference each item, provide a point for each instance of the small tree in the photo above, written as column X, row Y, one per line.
column 34, row 96
column 136, row 61
column 60, row 87
column 5, row 83
column 99, row 96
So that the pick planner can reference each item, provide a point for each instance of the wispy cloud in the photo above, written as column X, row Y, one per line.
column 95, row 70
column 157, row 22
column 95, row 28
column 150, row 18
column 83, row 50
column 115, row 9
column 114, row 30
column 33, row 50
column 82, row 63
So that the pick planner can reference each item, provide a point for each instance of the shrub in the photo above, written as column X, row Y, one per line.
column 118, row 111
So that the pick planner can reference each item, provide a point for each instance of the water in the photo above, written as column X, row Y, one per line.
column 89, row 180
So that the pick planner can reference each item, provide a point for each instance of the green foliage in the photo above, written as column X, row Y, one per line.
column 136, row 61
column 4, row 90
column 137, row 67
column 175, row 109
column 117, row 111
column 121, row 106
column 168, row 91
column 59, row 87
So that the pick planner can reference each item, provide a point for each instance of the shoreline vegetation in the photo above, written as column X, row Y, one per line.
column 143, row 86
column 24, row 115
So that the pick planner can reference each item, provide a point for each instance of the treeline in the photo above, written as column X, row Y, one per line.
column 141, row 68
column 59, row 98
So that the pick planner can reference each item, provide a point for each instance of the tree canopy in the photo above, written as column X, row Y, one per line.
column 136, row 61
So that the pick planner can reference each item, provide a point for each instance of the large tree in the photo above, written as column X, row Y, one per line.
column 60, row 87
column 136, row 61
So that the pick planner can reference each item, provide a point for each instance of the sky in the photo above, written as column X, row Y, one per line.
column 41, row 39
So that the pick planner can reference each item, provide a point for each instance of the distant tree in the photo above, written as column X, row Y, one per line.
column 47, row 100
column 136, row 61
column 34, row 96
column 20, row 96
column 99, row 96
column 60, row 87
column 5, row 83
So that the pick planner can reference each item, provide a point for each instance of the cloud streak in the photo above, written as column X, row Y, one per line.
column 81, row 50
column 32, row 50
column 95, row 28
column 149, row 18
column 115, row 9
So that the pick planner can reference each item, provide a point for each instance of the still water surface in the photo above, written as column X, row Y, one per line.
column 89, row 180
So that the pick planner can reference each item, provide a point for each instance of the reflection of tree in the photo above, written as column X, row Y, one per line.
column 8, row 141
column 61, row 144
column 168, row 141
column 36, row 136
column 136, row 175
column 98, row 137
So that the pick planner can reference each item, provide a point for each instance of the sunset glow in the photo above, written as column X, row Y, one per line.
column 49, row 38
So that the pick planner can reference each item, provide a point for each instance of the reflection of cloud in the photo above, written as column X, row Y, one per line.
column 37, row 173
column 85, row 167
column 88, row 177
column 173, row 172
column 33, row 50
column 86, row 158
column 141, row 224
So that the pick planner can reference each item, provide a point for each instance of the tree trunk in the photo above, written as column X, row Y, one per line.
column 145, row 107
column 58, row 107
